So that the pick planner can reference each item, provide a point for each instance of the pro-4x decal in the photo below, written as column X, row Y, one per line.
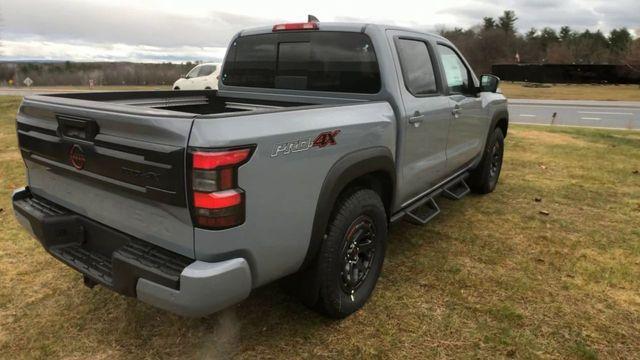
column 324, row 139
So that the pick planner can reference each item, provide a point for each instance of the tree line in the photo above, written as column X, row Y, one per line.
column 498, row 41
column 99, row 73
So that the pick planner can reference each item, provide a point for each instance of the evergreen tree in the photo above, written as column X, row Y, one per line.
column 507, row 21
column 620, row 40
column 489, row 23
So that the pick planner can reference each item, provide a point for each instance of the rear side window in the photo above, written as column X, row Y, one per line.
column 319, row 61
column 417, row 67
column 206, row 70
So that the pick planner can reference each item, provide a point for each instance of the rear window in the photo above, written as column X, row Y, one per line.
column 319, row 61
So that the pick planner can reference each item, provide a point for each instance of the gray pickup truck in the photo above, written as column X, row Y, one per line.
column 320, row 136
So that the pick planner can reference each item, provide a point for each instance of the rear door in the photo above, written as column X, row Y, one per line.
column 119, row 165
column 427, row 114
column 468, row 123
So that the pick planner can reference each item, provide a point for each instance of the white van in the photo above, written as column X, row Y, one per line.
column 201, row 77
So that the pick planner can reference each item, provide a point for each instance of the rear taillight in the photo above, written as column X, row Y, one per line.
column 217, row 201
column 296, row 26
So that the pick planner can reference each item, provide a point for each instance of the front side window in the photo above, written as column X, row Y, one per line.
column 417, row 68
column 319, row 61
column 456, row 73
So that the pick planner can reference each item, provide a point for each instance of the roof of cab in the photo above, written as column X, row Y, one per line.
column 340, row 26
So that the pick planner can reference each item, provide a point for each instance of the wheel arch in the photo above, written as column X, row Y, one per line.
column 500, row 120
column 372, row 168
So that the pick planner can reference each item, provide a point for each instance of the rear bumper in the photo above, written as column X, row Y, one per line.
column 131, row 266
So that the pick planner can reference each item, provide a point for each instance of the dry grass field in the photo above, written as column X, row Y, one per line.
column 547, row 266
column 572, row 92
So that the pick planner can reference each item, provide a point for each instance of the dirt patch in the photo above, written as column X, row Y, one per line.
column 548, row 137
column 625, row 298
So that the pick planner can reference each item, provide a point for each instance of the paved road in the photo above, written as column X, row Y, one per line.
column 605, row 114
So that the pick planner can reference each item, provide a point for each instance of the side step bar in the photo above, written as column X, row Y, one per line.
column 457, row 191
column 426, row 208
column 423, row 211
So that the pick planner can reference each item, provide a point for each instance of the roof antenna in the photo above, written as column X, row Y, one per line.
column 312, row 19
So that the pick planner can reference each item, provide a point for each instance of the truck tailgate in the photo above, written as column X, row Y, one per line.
column 118, row 165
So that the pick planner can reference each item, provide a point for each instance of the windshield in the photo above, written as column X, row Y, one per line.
column 320, row 61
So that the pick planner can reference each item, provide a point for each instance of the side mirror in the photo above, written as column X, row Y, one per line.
column 489, row 83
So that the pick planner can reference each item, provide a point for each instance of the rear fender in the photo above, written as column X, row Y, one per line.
column 349, row 168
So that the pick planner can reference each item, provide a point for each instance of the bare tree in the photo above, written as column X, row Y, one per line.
column 633, row 57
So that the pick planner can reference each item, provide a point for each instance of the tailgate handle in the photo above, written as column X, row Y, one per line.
column 77, row 128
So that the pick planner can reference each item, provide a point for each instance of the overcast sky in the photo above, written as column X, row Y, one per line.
column 164, row 30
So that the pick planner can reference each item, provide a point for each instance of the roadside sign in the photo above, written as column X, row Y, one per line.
column 28, row 82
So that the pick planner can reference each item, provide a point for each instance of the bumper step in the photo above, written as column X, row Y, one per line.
column 102, row 254
column 94, row 265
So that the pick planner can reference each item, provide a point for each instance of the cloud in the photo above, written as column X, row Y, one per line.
column 155, row 30
column 104, row 23
column 48, row 50
column 579, row 14
column 620, row 13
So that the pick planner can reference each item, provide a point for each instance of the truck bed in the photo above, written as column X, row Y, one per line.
column 202, row 102
column 98, row 153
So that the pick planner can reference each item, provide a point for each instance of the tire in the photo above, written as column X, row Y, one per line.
column 485, row 177
column 207, row 88
column 176, row 88
column 347, row 269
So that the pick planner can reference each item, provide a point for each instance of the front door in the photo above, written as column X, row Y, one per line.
column 427, row 115
column 468, row 124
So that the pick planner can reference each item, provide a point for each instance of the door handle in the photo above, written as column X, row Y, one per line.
column 416, row 120
column 456, row 111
